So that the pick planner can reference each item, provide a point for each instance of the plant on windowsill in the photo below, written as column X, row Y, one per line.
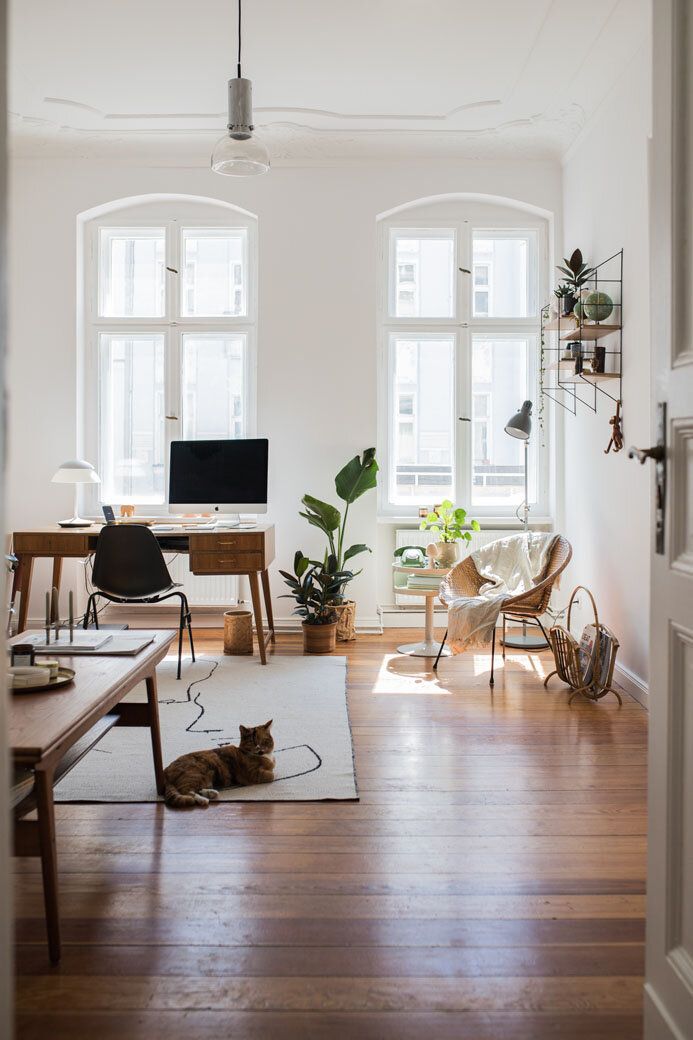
column 353, row 480
column 451, row 524
column 315, row 586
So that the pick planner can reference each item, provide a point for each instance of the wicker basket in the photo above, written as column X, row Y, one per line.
column 346, row 621
column 238, row 632
column 595, row 682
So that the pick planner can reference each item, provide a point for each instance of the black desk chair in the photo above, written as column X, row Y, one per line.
column 129, row 567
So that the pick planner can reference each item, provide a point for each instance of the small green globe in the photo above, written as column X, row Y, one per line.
column 598, row 306
column 577, row 310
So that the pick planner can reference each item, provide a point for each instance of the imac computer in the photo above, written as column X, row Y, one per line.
column 224, row 478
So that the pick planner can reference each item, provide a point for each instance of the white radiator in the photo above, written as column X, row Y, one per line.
column 202, row 590
column 408, row 536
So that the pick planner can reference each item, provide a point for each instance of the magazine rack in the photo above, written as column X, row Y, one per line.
column 587, row 667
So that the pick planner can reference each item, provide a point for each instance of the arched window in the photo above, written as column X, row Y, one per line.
column 462, row 283
column 170, row 304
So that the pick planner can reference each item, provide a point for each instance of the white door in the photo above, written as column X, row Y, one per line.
column 669, row 971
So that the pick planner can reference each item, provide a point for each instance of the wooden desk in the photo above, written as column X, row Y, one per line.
column 44, row 726
column 211, row 552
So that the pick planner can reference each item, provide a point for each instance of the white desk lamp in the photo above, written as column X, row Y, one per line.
column 520, row 427
column 76, row 471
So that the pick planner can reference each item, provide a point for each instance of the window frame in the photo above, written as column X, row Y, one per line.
column 465, row 218
column 173, row 217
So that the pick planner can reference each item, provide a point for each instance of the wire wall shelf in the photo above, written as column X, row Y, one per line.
column 582, row 358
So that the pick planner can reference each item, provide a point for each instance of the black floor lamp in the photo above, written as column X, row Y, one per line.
column 520, row 427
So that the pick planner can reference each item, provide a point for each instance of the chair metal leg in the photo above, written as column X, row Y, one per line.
column 181, row 626
column 493, row 655
column 543, row 631
column 505, row 622
column 188, row 625
column 442, row 645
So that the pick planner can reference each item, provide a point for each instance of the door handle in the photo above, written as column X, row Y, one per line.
column 658, row 453
column 643, row 454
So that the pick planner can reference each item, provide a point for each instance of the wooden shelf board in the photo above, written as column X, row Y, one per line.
column 590, row 332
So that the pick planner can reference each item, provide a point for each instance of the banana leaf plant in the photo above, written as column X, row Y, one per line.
column 353, row 480
column 315, row 587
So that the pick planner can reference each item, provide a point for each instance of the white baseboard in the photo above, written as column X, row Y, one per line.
column 632, row 684
column 203, row 617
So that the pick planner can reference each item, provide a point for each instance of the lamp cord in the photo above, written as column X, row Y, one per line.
column 239, row 40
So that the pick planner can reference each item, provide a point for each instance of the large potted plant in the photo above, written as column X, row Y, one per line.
column 452, row 526
column 353, row 480
column 314, row 586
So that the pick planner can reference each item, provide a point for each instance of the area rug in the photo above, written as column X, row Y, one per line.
column 305, row 696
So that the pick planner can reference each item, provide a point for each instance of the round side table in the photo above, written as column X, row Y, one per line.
column 430, row 646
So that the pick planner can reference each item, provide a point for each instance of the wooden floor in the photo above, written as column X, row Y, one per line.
column 489, row 884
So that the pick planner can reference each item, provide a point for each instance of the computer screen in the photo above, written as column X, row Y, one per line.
column 228, row 476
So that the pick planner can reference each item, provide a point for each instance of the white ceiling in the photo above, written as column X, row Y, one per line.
column 332, row 79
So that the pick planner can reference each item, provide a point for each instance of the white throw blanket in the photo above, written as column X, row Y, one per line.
column 511, row 566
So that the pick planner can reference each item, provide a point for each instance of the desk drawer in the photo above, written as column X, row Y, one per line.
column 50, row 544
column 225, row 563
column 242, row 541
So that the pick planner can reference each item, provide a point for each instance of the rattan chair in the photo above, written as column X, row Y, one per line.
column 465, row 580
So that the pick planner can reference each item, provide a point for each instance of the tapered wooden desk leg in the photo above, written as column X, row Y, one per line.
column 49, row 859
column 155, row 731
column 268, row 602
column 26, row 566
column 257, row 609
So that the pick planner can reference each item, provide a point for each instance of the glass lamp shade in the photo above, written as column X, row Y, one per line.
column 240, row 156
column 520, row 425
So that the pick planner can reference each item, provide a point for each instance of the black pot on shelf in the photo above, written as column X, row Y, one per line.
column 567, row 304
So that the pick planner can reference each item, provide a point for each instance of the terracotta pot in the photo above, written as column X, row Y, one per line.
column 319, row 639
column 448, row 553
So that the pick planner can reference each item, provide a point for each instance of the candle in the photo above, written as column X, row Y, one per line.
column 72, row 616
column 48, row 618
column 56, row 619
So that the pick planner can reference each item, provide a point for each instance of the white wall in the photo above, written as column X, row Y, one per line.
column 605, row 191
column 317, row 332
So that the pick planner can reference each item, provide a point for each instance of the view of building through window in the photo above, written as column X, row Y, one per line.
column 459, row 350
column 172, row 348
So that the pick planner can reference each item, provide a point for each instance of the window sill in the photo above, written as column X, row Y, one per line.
column 511, row 522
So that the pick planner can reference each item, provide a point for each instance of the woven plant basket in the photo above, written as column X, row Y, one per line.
column 346, row 621
column 238, row 632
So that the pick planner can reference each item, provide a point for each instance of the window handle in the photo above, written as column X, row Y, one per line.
column 172, row 270
column 463, row 418
column 464, row 270
column 172, row 417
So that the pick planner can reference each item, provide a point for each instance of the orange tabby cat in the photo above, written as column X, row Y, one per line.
column 193, row 779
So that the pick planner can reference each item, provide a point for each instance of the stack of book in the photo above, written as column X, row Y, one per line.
column 424, row 581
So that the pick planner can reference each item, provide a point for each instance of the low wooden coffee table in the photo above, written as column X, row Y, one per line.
column 45, row 727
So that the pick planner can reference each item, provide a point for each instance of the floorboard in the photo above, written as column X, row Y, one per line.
column 489, row 884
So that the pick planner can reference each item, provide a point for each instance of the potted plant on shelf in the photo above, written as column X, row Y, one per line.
column 353, row 480
column 314, row 586
column 451, row 524
column 566, row 300
column 576, row 273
